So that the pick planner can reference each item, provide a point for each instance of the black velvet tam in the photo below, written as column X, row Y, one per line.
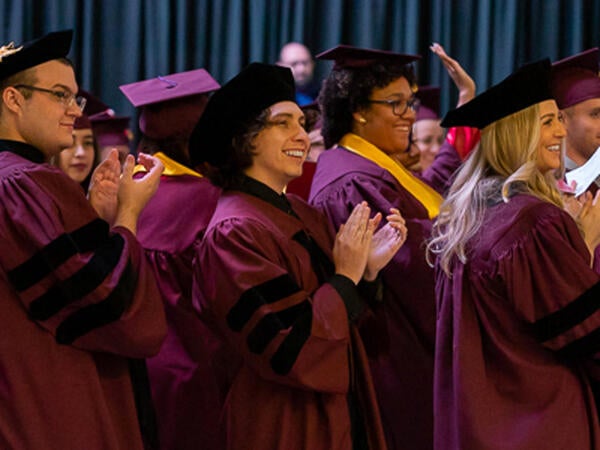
column 14, row 59
column 527, row 86
column 241, row 99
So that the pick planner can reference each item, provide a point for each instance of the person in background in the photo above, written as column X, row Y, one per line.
column 277, row 289
column 79, row 303
column 517, row 302
column 426, row 131
column 576, row 87
column 79, row 159
column 368, row 107
column 184, row 390
column 111, row 132
column 299, row 59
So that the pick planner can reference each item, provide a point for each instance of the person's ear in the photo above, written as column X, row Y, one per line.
column 358, row 117
column 12, row 98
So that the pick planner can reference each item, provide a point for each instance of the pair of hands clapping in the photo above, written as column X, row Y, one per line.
column 116, row 196
column 361, row 252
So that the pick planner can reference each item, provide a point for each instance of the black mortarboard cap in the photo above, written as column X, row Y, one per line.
column 254, row 89
column 346, row 56
column 528, row 85
column 14, row 59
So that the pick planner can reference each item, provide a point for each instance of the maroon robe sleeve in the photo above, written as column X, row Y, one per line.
column 551, row 284
column 84, row 284
column 249, row 279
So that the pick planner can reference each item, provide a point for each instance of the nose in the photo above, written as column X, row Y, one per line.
column 74, row 110
column 79, row 150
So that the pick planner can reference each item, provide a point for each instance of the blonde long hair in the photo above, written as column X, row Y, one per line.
column 507, row 154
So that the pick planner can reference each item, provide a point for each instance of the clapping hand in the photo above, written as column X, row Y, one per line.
column 385, row 244
column 104, row 186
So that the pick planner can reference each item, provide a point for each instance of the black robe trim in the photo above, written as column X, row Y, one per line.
column 84, row 239
column 81, row 283
column 99, row 314
column 286, row 355
column 22, row 149
column 271, row 324
column 574, row 313
column 268, row 292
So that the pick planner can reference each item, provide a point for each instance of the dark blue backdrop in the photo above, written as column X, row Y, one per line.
column 121, row 41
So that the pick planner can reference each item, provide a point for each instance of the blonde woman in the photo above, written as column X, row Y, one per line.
column 517, row 300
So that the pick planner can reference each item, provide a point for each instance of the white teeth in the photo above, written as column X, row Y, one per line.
column 296, row 153
column 554, row 148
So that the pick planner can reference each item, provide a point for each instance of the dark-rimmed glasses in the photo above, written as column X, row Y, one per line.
column 399, row 107
column 65, row 97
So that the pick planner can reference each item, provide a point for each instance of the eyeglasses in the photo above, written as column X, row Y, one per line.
column 399, row 107
column 67, row 98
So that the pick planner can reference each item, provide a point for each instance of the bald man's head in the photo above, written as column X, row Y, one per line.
column 298, row 58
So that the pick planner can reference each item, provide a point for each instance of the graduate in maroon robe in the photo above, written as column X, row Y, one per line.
column 368, row 108
column 78, row 298
column 184, row 390
column 282, row 303
column 518, row 311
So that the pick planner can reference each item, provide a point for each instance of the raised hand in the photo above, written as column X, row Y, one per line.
column 462, row 80
column 385, row 244
column 104, row 186
column 353, row 242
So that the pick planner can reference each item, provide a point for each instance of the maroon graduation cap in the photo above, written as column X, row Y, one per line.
column 575, row 79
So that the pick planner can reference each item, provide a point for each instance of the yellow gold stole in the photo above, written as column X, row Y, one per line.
column 172, row 167
column 428, row 197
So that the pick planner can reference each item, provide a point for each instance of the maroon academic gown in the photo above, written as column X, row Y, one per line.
column 77, row 301
column 515, row 324
column 290, row 356
column 400, row 341
column 183, row 387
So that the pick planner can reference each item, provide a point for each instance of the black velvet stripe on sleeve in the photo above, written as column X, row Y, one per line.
column 268, row 292
column 84, row 239
column 81, row 283
column 577, row 311
column 271, row 324
column 286, row 355
column 349, row 293
column 583, row 347
column 99, row 314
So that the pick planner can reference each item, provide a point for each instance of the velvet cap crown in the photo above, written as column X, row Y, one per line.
column 429, row 96
column 242, row 98
column 15, row 59
column 528, row 85
column 346, row 56
column 575, row 78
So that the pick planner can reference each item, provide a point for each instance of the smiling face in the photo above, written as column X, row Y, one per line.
column 429, row 137
column 552, row 132
column 42, row 120
column 381, row 127
column 582, row 122
column 77, row 160
column 280, row 148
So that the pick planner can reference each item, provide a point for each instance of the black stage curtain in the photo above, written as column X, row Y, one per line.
column 122, row 41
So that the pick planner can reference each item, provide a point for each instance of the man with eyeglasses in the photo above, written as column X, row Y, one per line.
column 78, row 299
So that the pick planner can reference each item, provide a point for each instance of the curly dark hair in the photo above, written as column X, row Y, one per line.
column 347, row 90
column 241, row 151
